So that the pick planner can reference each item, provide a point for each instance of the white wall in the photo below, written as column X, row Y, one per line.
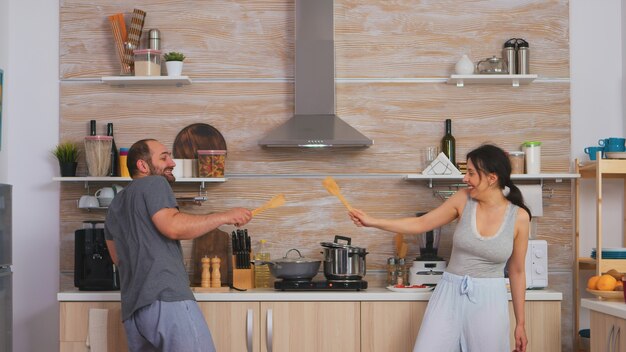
column 31, row 130
column 597, row 89
column 4, row 62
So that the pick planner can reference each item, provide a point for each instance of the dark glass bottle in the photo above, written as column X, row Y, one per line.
column 115, row 156
column 448, row 143
column 92, row 127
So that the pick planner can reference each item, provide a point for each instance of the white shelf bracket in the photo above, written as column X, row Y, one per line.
column 459, row 83
column 515, row 82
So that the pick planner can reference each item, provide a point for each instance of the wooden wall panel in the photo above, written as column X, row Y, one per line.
column 401, row 118
column 240, row 55
column 375, row 39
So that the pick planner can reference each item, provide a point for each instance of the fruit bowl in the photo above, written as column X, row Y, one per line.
column 608, row 295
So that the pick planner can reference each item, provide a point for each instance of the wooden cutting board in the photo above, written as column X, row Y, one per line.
column 197, row 136
column 211, row 244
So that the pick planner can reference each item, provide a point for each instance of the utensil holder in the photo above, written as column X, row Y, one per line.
column 243, row 278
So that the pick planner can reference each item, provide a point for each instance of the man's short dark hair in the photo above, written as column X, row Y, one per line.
column 138, row 151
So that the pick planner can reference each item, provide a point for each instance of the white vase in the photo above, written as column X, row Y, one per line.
column 464, row 66
column 174, row 68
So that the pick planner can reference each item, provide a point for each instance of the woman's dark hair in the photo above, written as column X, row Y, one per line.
column 138, row 151
column 491, row 159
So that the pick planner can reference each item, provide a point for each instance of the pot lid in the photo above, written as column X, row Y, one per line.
column 342, row 246
column 299, row 259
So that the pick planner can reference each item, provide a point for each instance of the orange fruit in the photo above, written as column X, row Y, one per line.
column 592, row 283
column 619, row 286
column 606, row 282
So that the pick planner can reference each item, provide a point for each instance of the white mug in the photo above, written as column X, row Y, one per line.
column 87, row 201
column 178, row 169
column 106, row 192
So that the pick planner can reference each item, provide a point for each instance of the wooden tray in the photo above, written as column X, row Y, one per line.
column 608, row 295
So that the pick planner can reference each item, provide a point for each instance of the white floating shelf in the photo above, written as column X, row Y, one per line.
column 126, row 179
column 513, row 80
column 513, row 177
column 146, row 80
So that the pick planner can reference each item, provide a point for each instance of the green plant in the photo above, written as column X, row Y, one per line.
column 66, row 152
column 174, row 56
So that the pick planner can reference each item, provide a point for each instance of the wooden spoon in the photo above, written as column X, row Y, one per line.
column 399, row 238
column 275, row 202
column 332, row 188
column 403, row 250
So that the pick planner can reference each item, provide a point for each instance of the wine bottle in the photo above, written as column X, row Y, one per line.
column 92, row 127
column 115, row 157
column 448, row 143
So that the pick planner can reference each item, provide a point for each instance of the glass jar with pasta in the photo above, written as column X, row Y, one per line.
column 211, row 163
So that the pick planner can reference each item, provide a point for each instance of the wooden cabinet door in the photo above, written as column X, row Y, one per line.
column 620, row 334
column 543, row 325
column 310, row 326
column 390, row 326
column 234, row 325
column 74, row 326
column 601, row 327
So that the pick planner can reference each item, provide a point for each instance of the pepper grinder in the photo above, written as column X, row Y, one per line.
column 215, row 273
column 206, row 274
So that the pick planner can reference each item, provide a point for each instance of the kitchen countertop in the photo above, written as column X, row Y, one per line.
column 615, row 308
column 371, row 294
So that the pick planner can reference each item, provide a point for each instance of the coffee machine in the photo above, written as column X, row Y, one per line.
column 93, row 267
column 428, row 267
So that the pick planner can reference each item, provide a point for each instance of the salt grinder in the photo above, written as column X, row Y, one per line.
column 154, row 39
column 215, row 274
column 206, row 275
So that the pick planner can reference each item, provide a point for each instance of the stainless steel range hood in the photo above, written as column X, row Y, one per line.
column 315, row 123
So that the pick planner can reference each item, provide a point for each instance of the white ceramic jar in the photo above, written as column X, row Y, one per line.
column 464, row 66
column 532, row 152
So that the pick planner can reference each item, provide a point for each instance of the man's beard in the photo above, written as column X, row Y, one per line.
column 154, row 172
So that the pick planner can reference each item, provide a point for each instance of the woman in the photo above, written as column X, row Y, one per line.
column 468, row 310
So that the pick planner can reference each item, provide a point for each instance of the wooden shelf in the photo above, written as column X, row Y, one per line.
column 512, row 80
column 177, row 81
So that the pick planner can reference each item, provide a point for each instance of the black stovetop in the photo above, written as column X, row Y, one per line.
column 346, row 285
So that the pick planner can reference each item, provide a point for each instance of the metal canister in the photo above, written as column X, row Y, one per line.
column 523, row 57
column 508, row 54
column 154, row 39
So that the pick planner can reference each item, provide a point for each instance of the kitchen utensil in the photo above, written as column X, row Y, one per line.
column 299, row 268
column 134, row 30
column 343, row 261
column 275, row 202
column 118, row 27
column 399, row 238
column 404, row 248
column 332, row 188
column 492, row 65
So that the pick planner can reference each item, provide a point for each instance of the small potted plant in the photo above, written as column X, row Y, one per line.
column 174, row 63
column 67, row 154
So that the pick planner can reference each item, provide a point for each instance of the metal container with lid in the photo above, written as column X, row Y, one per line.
column 343, row 261
column 154, row 39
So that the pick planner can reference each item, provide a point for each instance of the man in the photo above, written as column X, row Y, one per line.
column 143, row 230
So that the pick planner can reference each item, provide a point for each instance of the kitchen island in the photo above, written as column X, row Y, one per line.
column 375, row 319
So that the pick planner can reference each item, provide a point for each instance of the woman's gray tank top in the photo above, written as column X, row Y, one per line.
column 479, row 256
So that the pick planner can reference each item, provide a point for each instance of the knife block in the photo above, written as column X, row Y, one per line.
column 243, row 278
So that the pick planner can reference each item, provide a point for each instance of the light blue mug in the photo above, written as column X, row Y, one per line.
column 592, row 151
column 613, row 144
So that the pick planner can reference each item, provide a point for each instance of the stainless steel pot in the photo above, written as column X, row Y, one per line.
column 299, row 268
column 343, row 261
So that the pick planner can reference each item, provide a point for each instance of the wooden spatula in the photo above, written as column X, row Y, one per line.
column 399, row 238
column 275, row 202
column 403, row 250
column 332, row 188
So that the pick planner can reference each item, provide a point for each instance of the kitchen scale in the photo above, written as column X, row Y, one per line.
column 428, row 267
column 324, row 285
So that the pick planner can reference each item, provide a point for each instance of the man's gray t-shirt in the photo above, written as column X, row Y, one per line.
column 150, row 264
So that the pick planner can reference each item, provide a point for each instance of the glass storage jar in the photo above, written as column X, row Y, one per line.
column 211, row 163
column 147, row 62
column 517, row 162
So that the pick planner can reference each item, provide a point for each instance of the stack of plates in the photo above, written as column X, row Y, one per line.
column 610, row 253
